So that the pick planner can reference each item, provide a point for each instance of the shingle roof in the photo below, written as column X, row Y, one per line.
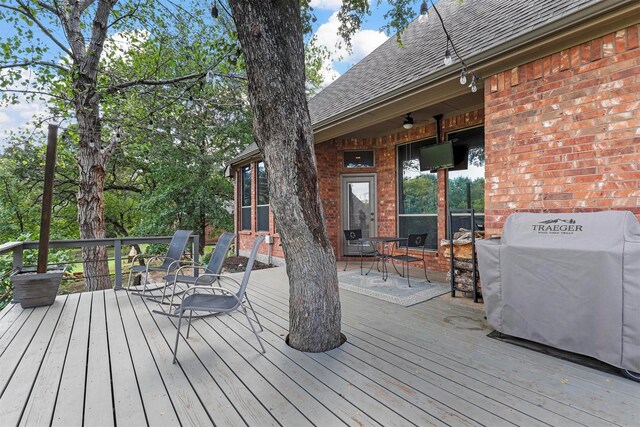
column 474, row 26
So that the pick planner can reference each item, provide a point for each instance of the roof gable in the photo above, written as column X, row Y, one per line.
column 474, row 26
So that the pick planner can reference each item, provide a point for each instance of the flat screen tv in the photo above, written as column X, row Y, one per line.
column 437, row 156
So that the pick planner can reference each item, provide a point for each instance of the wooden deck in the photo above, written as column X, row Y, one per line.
column 103, row 358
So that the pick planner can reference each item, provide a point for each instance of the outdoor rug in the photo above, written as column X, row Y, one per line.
column 394, row 290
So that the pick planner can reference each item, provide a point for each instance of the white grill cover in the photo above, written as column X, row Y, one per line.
column 570, row 281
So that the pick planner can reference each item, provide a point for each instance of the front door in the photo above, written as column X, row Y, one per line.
column 358, row 207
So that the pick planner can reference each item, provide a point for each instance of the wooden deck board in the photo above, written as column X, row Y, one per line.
column 15, row 395
column 105, row 354
column 129, row 410
column 158, row 407
column 42, row 400
column 69, row 409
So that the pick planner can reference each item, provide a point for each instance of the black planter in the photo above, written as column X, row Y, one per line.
column 32, row 289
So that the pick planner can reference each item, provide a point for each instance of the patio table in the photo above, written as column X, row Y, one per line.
column 382, row 241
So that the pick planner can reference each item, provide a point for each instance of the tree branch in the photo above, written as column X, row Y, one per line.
column 24, row 10
column 36, row 92
column 43, row 63
column 123, row 187
column 125, row 16
column 145, row 82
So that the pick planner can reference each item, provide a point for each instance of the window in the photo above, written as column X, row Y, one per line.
column 245, row 219
column 417, row 194
column 466, row 178
column 358, row 159
column 263, row 199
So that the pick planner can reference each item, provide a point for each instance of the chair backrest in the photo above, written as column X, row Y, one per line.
column 220, row 253
column 176, row 247
column 417, row 240
column 249, row 267
column 351, row 235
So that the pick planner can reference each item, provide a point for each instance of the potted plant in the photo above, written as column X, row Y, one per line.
column 40, row 287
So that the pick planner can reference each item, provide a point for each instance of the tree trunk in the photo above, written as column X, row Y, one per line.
column 271, row 36
column 91, row 191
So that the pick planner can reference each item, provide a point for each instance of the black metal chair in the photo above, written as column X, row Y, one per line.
column 226, row 302
column 354, row 238
column 413, row 241
column 170, row 262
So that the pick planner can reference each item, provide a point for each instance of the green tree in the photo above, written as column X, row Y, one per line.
column 80, row 76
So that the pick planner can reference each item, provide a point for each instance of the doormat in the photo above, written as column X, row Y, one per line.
column 394, row 290
column 580, row 359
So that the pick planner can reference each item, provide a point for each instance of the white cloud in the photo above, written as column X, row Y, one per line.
column 326, row 4
column 120, row 44
column 19, row 115
column 363, row 42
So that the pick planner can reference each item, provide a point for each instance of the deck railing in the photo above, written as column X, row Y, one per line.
column 17, row 249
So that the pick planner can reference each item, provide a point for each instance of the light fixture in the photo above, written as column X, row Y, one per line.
column 424, row 12
column 447, row 55
column 214, row 11
column 474, row 83
column 408, row 121
column 463, row 76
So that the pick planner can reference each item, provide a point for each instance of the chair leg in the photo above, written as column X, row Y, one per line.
column 189, row 324
column 146, row 279
column 254, row 312
column 346, row 261
column 244, row 310
column 424, row 265
column 175, row 349
column 129, row 281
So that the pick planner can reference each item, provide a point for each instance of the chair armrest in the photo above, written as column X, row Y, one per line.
column 190, row 264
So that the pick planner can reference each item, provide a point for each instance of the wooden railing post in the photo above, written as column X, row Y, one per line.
column 17, row 257
column 117, row 255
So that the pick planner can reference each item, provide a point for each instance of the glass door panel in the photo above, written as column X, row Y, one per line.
column 358, row 208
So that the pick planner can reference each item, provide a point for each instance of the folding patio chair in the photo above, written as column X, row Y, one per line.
column 225, row 302
column 209, row 278
column 170, row 262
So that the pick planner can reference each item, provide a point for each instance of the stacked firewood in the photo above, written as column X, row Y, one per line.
column 462, row 260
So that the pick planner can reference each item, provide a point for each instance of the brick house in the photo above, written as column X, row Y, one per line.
column 554, row 125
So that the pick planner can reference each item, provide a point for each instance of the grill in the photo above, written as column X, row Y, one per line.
column 570, row 281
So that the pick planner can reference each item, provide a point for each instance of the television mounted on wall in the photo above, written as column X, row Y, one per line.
column 439, row 156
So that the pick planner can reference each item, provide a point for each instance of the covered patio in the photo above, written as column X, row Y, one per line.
column 103, row 358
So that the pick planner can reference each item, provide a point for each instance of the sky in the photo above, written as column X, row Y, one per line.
column 364, row 41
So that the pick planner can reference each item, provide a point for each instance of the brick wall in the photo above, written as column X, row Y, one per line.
column 330, row 164
column 562, row 133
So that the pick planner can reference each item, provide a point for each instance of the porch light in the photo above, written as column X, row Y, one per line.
column 408, row 121
column 214, row 11
column 424, row 13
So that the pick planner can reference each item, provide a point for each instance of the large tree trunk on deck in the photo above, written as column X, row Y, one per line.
column 271, row 36
column 91, row 160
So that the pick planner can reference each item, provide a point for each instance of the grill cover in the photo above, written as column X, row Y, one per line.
column 570, row 281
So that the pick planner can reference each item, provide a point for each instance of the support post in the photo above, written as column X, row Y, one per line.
column 17, row 258
column 47, row 199
column 117, row 255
